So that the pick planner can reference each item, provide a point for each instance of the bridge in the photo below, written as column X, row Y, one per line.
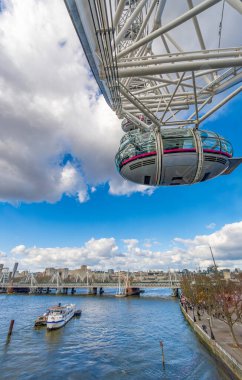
column 33, row 286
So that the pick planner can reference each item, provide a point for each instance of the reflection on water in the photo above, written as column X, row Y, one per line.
column 113, row 339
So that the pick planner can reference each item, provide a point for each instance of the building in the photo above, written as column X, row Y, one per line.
column 5, row 275
column 49, row 271
column 226, row 274
column 63, row 272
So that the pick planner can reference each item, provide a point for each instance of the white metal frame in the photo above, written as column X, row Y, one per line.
column 122, row 41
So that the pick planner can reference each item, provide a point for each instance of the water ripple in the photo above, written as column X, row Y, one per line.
column 113, row 339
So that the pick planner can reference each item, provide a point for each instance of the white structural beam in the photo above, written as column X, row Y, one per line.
column 138, row 105
column 197, row 27
column 130, row 20
column 172, row 96
column 236, row 4
column 179, row 67
column 173, row 58
column 118, row 12
column 220, row 104
column 135, row 120
column 144, row 65
column 171, row 25
column 146, row 20
column 201, row 107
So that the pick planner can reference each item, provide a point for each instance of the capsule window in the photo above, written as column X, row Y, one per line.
column 178, row 143
column 226, row 147
column 147, row 179
column 210, row 143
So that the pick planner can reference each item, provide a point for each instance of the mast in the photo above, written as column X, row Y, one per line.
column 119, row 286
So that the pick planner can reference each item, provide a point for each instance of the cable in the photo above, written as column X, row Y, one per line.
column 221, row 25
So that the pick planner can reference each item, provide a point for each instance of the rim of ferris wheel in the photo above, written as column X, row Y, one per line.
column 149, row 75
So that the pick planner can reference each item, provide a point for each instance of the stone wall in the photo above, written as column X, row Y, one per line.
column 230, row 363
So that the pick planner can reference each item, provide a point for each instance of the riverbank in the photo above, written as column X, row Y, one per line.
column 222, row 347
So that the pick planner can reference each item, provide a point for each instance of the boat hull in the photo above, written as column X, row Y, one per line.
column 56, row 324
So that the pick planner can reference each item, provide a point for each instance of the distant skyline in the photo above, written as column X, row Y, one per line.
column 63, row 204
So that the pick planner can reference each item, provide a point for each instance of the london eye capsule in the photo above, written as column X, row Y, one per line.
column 174, row 156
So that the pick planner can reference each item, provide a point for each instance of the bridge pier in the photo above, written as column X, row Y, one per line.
column 65, row 291
column 92, row 291
column 175, row 292
column 32, row 291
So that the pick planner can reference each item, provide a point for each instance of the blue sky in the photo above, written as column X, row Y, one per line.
column 51, row 206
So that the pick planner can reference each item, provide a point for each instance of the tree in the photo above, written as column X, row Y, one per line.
column 228, row 304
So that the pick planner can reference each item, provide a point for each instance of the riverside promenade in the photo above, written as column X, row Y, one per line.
column 222, row 346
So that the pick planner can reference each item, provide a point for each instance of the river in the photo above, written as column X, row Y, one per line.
column 113, row 339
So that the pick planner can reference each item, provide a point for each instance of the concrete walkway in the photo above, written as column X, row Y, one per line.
column 222, row 334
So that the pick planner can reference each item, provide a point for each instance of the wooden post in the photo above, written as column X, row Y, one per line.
column 10, row 328
column 162, row 351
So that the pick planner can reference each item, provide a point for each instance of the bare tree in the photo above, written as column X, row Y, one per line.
column 228, row 304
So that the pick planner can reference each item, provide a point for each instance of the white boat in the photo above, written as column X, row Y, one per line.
column 59, row 315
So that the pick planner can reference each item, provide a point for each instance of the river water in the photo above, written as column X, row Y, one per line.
column 113, row 339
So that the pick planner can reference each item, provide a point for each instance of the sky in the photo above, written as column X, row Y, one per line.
column 62, row 202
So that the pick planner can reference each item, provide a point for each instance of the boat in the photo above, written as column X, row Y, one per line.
column 131, row 290
column 120, row 291
column 41, row 320
column 59, row 315
column 78, row 313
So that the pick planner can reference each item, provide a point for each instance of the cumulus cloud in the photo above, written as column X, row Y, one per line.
column 2, row 254
column 19, row 249
column 226, row 244
column 50, row 108
column 50, row 105
column 94, row 253
column 119, row 186
column 133, row 254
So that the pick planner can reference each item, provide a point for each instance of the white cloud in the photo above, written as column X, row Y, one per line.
column 133, row 254
column 49, row 107
column 226, row 244
column 118, row 186
column 19, row 249
column 49, row 103
column 94, row 252
column 2, row 254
